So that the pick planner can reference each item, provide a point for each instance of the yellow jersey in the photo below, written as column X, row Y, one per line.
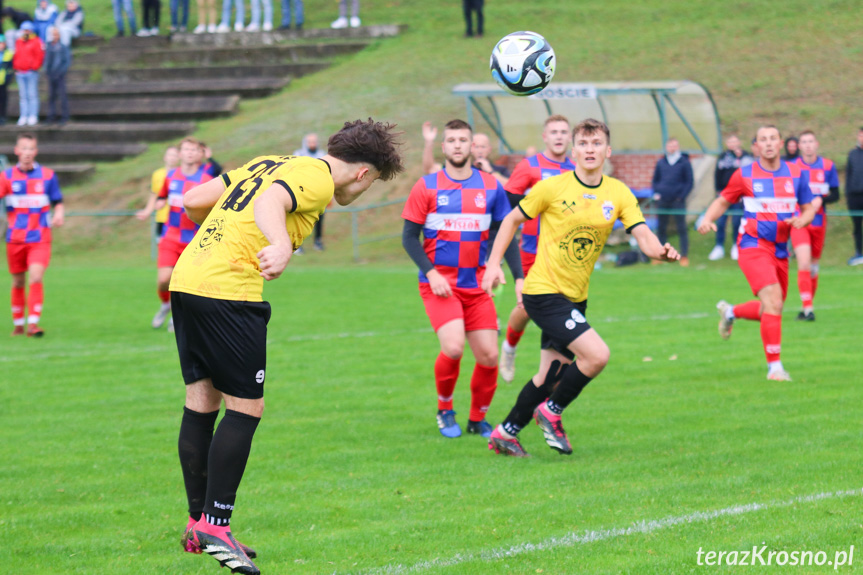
column 574, row 221
column 157, row 182
column 221, row 260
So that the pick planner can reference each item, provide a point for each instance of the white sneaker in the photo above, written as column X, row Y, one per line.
column 355, row 22
column 211, row 29
column 154, row 31
column 161, row 315
column 725, row 324
column 22, row 121
column 32, row 121
column 143, row 32
column 506, row 365
column 199, row 29
column 717, row 253
column 341, row 22
column 268, row 26
column 779, row 375
column 223, row 28
column 238, row 27
column 253, row 28
column 734, row 252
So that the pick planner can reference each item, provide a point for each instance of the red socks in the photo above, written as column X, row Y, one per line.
column 805, row 284
column 34, row 302
column 771, row 336
column 483, row 384
column 445, row 375
column 165, row 296
column 18, row 301
column 749, row 310
column 512, row 336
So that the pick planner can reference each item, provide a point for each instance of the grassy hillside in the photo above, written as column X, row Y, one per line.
column 787, row 62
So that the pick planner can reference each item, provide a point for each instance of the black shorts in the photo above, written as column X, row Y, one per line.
column 560, row 320
column 223, row 340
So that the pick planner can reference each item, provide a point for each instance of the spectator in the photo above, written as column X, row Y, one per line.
column 150, row 10
column 342, row 21
column 255, row 23
column 792, row 149
column 756, row 151
column 225, row 25
column 310, row 150
column 70, row 22
column 17, row 17
column 179, row 24
column 44, row 17
column 5, row 73
column 854, row 195
column 58, row 58
column 206, row 17
column 672, row 182
column 27, row 60
column 286, row 15
column 732, row 158
column 470, row 6
column 480, row 149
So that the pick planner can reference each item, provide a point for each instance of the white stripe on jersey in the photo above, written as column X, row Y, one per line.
column 770, row 205
column 458, row 222
column 27, row 200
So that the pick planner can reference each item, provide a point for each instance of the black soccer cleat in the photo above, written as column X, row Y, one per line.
column 219, row 544
column 552, row 429
column 803, row 316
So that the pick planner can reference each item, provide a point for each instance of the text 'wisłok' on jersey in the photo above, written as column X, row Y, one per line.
column 769, row 199
column 456, row 216
column 29, row 196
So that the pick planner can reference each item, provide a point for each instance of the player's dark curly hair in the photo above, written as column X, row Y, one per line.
column 369, row 142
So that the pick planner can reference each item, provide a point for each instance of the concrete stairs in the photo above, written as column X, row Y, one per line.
column 127, row 92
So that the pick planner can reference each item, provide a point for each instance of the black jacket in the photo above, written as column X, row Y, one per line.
column 854, row 173
column 726, row 165
column 673, row 183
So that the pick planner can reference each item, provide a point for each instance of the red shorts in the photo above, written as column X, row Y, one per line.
column 169, row 253
column 527, row 262
column 474, row 306
column 762, row 268
column 810, row 236
column 22, row 256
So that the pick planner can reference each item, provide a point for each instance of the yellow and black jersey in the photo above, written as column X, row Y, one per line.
column 221, row 261
column 575, row 220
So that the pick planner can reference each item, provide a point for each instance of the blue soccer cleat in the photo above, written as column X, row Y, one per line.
column 482, row 428
column 447, row 425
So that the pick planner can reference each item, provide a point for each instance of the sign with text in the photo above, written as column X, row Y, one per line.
column 567, row 92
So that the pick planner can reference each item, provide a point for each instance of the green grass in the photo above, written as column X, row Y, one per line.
column 348, row 473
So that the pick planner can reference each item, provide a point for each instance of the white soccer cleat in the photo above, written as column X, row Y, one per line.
column 725, row 324
column 161, row 315
column 779, row 375
column 506, row 365
column 340, row 22
column 734, row 252
column 355, row 22
column 717, row 253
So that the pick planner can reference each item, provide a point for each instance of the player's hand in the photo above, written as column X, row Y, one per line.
column 519, row 285
column 274, row 259
column 57, row 220
column 669, row 254
column 143, row 214
column 493, row 277
column 429, row 132
column 439, row 284
column 706, row 226
column 797, row 222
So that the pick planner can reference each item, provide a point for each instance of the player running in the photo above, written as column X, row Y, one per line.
column 178, row 230
column 551, row 162
column 456, row 209
column 256, row 218
column 808, row 242
column 772, row 191
column 31, row 190
column 577, row 212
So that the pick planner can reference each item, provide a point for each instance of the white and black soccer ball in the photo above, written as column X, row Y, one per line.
column 522, row 63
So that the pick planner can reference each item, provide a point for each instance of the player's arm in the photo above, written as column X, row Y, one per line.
column 52, row 188
column 148, row 209
column 808, row 202
column 493, row 272
column 411, row 243
column 727, row 198
column 200, row 200
column 649, row 244
column 429, row 135
column 271, row 209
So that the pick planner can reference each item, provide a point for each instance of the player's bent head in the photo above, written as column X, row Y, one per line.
column 374, row 143
column 768, row 131
column 26, row 136
column 458, row 125
column 589, row 127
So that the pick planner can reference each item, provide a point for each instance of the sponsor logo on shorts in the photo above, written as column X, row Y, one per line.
column 259, row 377
column 570, row 324
column 578, row 317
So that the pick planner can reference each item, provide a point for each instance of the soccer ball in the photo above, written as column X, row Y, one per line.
column 522, row 63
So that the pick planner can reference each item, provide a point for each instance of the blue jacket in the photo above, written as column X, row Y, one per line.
column 673, row 183
column 57, row 59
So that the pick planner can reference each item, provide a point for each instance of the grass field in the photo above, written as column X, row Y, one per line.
column 348, row 473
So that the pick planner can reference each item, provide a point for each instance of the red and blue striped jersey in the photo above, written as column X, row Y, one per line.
column 769, row 199
column 29, row 196
column 822, row 177
column 526, row 174
column 179, row 227
column 456, row 216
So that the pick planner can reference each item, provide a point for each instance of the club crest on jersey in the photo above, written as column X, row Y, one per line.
column 443, row 200
column 479, row 200
column 579, row 245
column 18, row 187
column 789, row 187
column 757, row 187
column 607, row 210
column 819, row 176
column 212, row 234
column 39, row 187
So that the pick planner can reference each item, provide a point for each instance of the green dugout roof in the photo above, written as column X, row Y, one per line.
column 640, row 115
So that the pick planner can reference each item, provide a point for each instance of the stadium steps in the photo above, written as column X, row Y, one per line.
column 294, row 69
column 244, row 87
column 144, row 108
column 73, row 173
column 57, row 153
column 102, row 132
